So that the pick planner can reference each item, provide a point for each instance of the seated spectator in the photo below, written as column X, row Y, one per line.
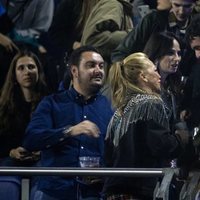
column 190, row 105
column 68, row 23
column 7, row 47
column 7, row 43
column 108, row 23
column 139, row 133
column 71, row 124
column 28, row 19
column 197, row 6
column 23, row 89
column 141, row 8
column 5, row 22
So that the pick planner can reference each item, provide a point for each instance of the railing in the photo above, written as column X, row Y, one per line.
column 161, row 191
column 33, row 171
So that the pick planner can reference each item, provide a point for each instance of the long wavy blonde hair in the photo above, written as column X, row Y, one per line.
column 123, row 78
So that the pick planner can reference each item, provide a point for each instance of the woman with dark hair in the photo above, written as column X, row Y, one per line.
column 23, row 89
column 163, row 48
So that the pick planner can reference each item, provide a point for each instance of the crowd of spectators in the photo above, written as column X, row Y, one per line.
column 72, row 71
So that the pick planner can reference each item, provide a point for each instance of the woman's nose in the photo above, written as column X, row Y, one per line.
column 26, row 69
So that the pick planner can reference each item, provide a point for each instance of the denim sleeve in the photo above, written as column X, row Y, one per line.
column 40, row 133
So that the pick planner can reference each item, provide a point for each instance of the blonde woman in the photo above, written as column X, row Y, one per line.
column 138, row 135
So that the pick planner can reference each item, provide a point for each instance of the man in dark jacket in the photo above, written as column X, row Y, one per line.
column 191, row 101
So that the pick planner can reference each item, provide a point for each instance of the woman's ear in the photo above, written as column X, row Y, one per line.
column 143, row 76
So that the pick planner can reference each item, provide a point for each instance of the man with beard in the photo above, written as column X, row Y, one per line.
column 71, row 124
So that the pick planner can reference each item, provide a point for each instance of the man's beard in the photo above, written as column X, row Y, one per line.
column 94, row 89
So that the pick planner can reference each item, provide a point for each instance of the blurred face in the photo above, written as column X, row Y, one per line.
column 195, row 45
column 152, row 78
column 182, row 9
column 89, row 76
column 163, row 4
column 168, row 64
column 26, row 72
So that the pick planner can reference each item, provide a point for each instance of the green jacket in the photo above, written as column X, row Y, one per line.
column 107, row 25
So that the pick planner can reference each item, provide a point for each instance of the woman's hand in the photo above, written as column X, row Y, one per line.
column 22, row 154
column 7, row 43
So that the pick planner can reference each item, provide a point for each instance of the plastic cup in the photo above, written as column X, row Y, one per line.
column 89, row 161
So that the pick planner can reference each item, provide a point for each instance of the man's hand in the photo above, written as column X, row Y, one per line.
column 7, row 43
column 86, row 127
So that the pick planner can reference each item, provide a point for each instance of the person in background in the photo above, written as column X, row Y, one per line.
column 163, row 49
column 163, row 4
column 26, row 21
column 5, row 41
column 65, row 34
column 141, row 8
column 23, row 89
column 138, row 135
column 108, row 23
column 176, row 20
column 191, row 100
column 190, row 105
column 7, row 47
column 30, row 19
column 69, row 125
column 68, row 23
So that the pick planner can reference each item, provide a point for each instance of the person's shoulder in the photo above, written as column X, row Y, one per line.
column 105, row 5
column 145, row 102
column 103, row 98
column 57, row 96
column 146, row 107
column 157, row 15
column 146, row 98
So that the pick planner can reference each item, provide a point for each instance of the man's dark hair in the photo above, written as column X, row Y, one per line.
column 159, row 45
column 75, row 59
column 77, row 53
column 193, row 29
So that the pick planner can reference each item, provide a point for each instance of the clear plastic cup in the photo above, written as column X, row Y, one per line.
column 89, row 161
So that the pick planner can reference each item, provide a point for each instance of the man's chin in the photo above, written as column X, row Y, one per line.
column 95, row 88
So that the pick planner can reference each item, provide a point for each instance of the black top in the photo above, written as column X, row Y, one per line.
column 139, row 138
column 12, row 135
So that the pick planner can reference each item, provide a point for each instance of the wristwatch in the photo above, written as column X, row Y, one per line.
column 67, row 131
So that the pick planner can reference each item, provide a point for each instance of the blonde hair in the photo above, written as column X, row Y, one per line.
column 123, row 78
